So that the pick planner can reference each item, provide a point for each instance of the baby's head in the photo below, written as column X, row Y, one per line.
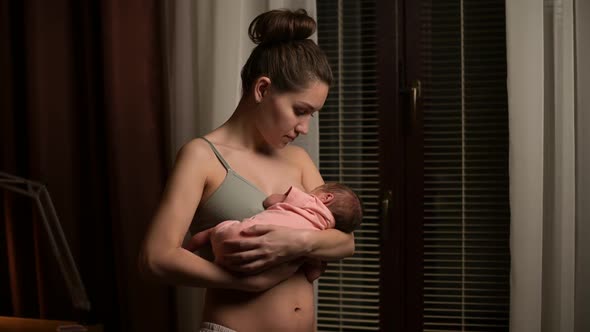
column 344, row 204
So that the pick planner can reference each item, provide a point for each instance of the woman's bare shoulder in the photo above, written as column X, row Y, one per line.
column 310, row 175
column 295, row 153
column 297, row 156
column 194, row 158
column 194, row 150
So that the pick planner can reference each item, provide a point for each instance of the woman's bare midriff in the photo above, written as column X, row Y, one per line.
column 289, row 306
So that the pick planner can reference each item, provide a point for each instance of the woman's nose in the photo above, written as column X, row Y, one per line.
column 303, row 126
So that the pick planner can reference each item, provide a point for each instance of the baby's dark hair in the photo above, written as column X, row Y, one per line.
column 285, row 54
column 346, row 207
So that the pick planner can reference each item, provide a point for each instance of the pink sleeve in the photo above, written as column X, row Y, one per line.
column 298, row 198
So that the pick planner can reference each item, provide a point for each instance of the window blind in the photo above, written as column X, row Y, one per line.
column 466, row 210
column 348, row 293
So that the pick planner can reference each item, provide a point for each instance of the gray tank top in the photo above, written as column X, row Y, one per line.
column 235, row 199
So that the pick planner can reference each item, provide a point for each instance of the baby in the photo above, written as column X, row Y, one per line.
column 331, row 205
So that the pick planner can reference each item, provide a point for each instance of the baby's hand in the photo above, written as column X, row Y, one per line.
column 273, row 199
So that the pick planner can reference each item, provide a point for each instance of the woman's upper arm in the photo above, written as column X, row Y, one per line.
column 179, row 201
column 162, row 256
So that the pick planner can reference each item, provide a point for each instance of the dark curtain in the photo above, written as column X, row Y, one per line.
column 82, row 110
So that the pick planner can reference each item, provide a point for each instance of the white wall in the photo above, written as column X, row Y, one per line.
column 582, row 297
column 524, row 25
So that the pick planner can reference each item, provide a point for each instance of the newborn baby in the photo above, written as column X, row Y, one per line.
column 331, row 205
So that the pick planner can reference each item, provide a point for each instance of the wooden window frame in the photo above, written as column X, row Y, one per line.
column 401, row 166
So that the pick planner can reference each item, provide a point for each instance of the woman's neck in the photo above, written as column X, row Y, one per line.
column 240, row 129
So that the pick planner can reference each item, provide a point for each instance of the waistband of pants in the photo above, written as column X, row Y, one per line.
column 212, row 327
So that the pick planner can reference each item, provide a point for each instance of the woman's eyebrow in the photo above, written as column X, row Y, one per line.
column 307, row 105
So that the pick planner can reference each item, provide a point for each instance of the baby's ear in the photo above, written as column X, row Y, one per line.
column 326, row 198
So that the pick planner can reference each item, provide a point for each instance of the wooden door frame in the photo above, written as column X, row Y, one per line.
column 401, row 167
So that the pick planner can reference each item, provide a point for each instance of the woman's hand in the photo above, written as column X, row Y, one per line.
column 269, row 278
column 314, row 268
column 264, row 246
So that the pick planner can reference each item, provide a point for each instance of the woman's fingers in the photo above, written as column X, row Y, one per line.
column 249, row 262
column 258, row 230
column 240, row 244
column 254, row 267
column 262, row 247
column 243, row 257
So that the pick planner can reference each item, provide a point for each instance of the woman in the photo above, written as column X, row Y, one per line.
column 227, row 174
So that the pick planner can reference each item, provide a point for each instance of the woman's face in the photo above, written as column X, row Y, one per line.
column 283, row 116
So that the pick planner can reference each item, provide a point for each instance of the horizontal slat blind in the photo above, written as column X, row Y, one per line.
column 349, row 290
column 466, row 211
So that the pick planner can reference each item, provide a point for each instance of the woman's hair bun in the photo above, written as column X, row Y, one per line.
column 277, row 26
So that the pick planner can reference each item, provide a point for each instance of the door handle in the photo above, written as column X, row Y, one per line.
column 385, row 215
column 415, row 93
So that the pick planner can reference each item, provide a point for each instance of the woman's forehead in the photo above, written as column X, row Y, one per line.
column 313, row 96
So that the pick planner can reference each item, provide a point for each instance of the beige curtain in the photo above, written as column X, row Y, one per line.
column 542, row 92
column 582, row 311
column 207, row 44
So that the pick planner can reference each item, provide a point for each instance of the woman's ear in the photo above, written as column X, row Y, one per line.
column 261, row 87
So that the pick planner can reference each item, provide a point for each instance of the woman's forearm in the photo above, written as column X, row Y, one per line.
column 330, row 244
column 180, row 267
column 266, row 246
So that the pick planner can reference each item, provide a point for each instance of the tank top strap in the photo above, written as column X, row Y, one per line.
column 225, row 164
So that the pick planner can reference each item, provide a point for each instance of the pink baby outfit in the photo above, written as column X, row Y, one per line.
column 299, row 210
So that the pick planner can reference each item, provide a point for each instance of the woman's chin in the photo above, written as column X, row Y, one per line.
column 281, row 144
column 286, row 141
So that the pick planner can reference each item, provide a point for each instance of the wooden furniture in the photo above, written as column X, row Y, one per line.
column 16, row 324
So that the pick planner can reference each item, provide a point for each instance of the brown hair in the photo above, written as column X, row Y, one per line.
column 346, row 207
column 284, row 53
